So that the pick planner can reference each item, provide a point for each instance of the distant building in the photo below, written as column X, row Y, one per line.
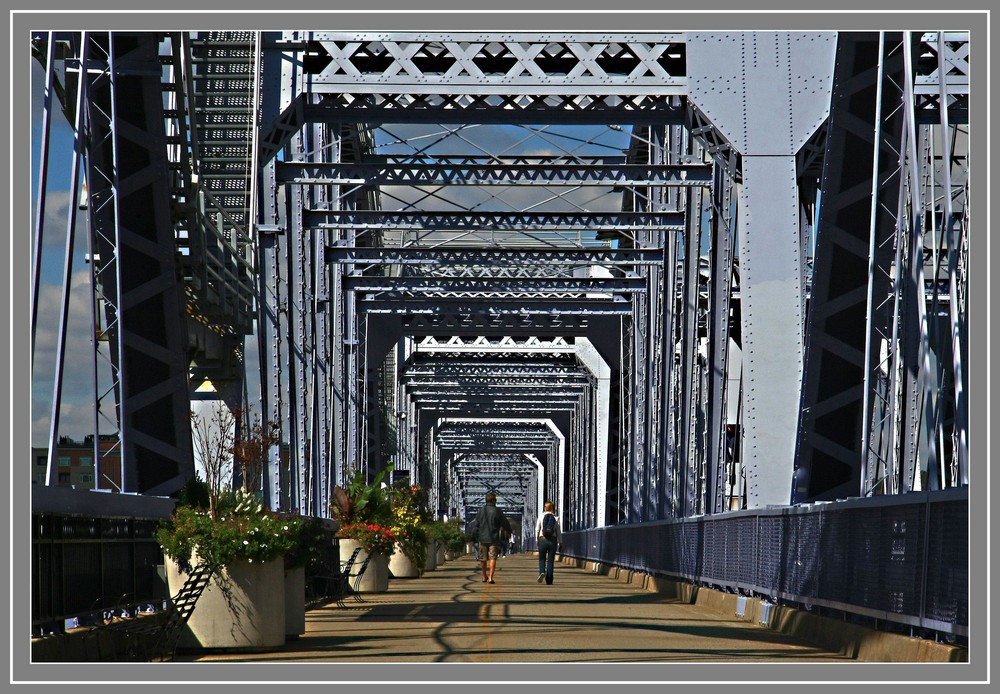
column 74, row 462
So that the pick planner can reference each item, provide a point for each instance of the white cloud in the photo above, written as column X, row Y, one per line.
column 76, row 414
column 54, row 224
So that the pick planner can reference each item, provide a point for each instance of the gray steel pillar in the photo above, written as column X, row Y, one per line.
column 766, row 93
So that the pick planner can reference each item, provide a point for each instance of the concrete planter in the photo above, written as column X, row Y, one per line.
column 295, row 601
column 248, row 618
column 441, row 555
column 376, row 578
column 401, row 566
column 430, row 563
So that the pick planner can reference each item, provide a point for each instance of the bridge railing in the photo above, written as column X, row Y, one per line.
column 83, row 565
column 901, row 558
column 92, row 553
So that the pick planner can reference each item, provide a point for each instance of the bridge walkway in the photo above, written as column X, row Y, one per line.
column 449, row 615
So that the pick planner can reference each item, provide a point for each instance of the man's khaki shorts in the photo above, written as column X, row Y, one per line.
column 488, row 551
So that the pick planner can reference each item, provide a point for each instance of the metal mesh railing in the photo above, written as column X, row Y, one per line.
column 900, row 558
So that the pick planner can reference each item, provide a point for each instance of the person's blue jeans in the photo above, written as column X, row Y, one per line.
column 475, row 545
column 546, row 558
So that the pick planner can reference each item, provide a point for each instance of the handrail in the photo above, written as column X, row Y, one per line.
column 900, row 558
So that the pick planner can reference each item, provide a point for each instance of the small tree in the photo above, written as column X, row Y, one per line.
column 222, row 449
column 252, row 448
column 213, row 435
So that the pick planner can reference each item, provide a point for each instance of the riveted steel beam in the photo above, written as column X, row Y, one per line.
column 432, row 220
column 438, row 285
column 400, row 305
column 494, row 257
column 499, row 63
column 442, row 171
column 483, row 344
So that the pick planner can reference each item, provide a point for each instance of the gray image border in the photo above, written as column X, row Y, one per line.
column 454, row 16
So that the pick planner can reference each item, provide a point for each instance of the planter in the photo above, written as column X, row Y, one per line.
column 248, row 618
column 430, row 562
column 295, row 602
column 376, row 578
column 400, row 565
column 451, row 556
column 440, row 555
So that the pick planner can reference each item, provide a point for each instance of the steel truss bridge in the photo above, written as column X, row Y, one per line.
column 653, row 277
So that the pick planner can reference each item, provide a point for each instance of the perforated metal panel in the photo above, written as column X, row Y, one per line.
column 875, row 557
column 948, row 575
column 801, row 534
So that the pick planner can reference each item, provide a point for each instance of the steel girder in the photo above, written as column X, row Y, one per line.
column 855, row 250
column 722, row 470
column 311, row 334
column 493, row 308
column 770, row 244
column 441, row 171
column 487, row 288
column 518, row 78
column 505, row 64
column 494, row 221
column 512, row 323
column 482, row 344
column 78, row 122
column 511, row 478
column 495, row 258
column 130, row 182
column 866, row 438
column 504, row 462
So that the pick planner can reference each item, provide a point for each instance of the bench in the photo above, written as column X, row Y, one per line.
column 150, row 637
column 335, row 587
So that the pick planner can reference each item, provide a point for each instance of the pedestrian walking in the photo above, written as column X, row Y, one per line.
column 474, row 535
column 549, row 540
column 491, row 522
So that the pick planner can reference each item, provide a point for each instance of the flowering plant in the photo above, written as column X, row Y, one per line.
column 376, row 539
column 241, row 530
column 409, row 521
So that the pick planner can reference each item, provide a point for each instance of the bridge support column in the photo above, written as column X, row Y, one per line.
column 771, row 291
column 766, row 93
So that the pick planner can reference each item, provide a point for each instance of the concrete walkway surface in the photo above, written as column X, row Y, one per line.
column 449, row 615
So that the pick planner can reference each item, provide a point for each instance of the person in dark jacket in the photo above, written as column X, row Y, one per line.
column 490, row 521
column 474, row 534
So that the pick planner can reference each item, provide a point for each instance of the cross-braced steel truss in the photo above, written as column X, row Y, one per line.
column 603, row 269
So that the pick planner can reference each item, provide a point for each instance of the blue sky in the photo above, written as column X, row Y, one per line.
column 76, row 416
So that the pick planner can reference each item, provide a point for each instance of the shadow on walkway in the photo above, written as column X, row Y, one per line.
column 450, row 615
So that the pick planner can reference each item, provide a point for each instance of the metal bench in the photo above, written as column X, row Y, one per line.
column 147, row 638
column 336, row 587
column 356, row 592
column 332, row 587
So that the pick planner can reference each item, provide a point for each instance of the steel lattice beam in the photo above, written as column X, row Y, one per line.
column 466, row 171
column 396, row 304
column 482, row 344
column 505, row 64
column 430, row 220
column 494, row 257
column 397, row 286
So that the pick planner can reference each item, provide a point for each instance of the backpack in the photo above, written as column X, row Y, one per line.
column 549, row 526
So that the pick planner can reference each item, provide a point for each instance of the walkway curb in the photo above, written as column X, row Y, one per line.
column 852, row 640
